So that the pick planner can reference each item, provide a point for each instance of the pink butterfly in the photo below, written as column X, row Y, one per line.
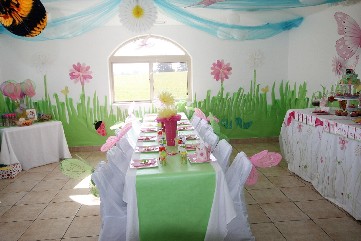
column 112, row 140
column 262, row 159
column 348, row 45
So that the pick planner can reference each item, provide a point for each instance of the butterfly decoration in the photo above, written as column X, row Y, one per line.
column 100, row 128
column 65, row 91
column 206, row 3
column 262, row 159
column 25, row 18
column 350, row 31
column 112, row 140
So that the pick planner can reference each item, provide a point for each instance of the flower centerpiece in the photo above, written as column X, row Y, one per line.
column 167, row 115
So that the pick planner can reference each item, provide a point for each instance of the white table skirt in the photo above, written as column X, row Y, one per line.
column 222, row 211
column 33, row 146
column 319, row 151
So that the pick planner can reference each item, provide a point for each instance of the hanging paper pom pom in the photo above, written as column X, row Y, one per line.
column 27, row 88
column 137, row 15
column 26, row 18
column 11, row 89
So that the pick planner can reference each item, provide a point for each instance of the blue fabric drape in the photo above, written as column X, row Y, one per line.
column 98, row 14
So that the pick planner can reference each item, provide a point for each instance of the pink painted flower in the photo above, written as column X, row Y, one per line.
column 338, row 65
column 27, row 88
column 81, row 73
column 220, row 70
column 11, row 89
column 343, row 142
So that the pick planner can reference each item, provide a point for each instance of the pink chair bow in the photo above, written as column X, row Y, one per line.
column 262, row 159
column 110, row 142
column 200, row 113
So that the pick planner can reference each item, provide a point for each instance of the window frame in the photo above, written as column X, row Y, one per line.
column 150, row 59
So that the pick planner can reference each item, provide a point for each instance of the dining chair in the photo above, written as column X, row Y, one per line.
column 112, row 207
column 195, row 121
column 119, row 158
column 201, row 123
column 236, row 176
column 211, row 139
column 222, row 152
column 204, row 128
column 126, row 146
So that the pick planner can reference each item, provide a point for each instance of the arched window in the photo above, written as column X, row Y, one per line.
column 146, row 65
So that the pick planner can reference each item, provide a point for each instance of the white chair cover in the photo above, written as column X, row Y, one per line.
column 236, row 176
column 119, row 159
column 195, row 121
column 204, row 129
column 112, row 207
column 125, row 145
column 211, row 139
column 201, row 123
column 222, row 153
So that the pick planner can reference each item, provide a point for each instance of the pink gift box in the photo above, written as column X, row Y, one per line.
column 10, row 171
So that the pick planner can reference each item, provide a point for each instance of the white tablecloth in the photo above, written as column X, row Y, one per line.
column 326, row 151
column 33, row 146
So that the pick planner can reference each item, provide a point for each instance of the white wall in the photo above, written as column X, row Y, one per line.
column 94, row 48
column 312, row 48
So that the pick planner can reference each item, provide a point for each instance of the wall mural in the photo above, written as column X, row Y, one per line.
column 256, row 112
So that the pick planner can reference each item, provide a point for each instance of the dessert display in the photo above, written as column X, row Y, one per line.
column 348, row 94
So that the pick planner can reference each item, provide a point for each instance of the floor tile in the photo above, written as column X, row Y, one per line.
column 320, row 209
column 23, row 212
column 32, row 176
column 262, row 183
column 286, row 181
column 274, row 171
column 256, row 214
column 42, row 229
column 7, row 230
column 301, row 193
column 19, row 186
column 84, row 226
column 270, row 195
column 88, row 210
column 94, row 238
column 266, row 232
column 46, row 185
column 11, row 198
column 66, row 195
column 341, row 229
column 304, row 230
column 45, row 168
column 38, row 197
column 248, row 198
column 60, row 210
column 3, row 209
column 285, row 211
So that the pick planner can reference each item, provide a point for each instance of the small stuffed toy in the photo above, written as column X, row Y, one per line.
column 100, row 128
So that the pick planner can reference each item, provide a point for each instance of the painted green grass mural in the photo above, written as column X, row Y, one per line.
column 247, row 115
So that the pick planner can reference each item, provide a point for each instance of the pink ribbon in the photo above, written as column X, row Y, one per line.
column 291, row 116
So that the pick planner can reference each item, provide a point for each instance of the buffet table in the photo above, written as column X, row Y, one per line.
column 176, row 201
column 33, row 146
column 326, row 151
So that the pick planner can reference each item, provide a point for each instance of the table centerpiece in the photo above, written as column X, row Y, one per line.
column 167, row 115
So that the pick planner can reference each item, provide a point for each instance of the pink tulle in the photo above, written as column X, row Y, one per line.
column 200, row 113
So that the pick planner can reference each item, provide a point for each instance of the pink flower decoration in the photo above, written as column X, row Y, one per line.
column 338, row 65
column 262, row 159
column 81, row 73
column 27, row 88
column 220, row 70
column 11, row 89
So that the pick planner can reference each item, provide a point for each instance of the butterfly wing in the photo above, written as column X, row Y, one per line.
column 75, row 168
column 253, row 176
column 110, row 142
column 347, row 46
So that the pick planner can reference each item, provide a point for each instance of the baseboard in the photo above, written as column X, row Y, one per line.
column 254, row 140
column 84, row 148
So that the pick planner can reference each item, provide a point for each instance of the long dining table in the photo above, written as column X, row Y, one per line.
column 179, row 200
column 325, row 149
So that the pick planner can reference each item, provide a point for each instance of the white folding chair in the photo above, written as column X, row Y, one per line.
column 222, row 153
column 112, row 207
column 236, row 176
column 211, row 139
column 195, row 121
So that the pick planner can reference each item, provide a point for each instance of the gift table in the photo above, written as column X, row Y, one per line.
column 33, row 146
column 326, row 151
column 176, row 201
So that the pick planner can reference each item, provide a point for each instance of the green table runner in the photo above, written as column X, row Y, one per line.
column 174, row 201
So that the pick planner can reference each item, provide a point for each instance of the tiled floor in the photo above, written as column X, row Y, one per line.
column 43, row 204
